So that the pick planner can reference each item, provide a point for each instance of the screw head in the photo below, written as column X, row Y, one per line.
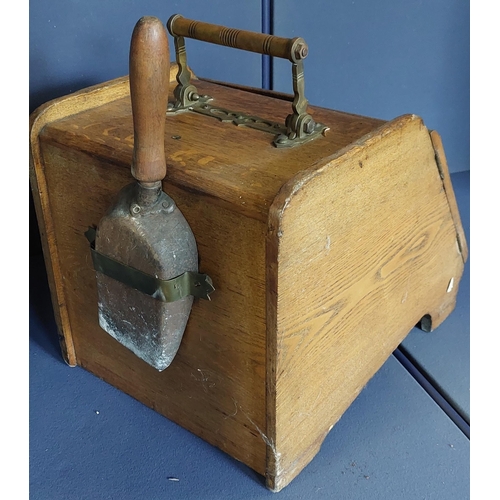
column 135, row 209
column 301, row 51
column 309, row 126
column 168, row 207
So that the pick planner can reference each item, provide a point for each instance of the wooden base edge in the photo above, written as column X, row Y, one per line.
column 276, row 478
column 431, row 320
column 275, row 482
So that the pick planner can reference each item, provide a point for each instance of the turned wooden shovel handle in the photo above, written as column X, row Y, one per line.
column 149, row 79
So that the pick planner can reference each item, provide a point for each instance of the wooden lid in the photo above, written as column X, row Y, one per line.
column 235, row 164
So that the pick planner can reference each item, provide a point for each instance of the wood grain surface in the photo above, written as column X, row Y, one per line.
column 365, row 246
column 237, row 166
column 220, row 366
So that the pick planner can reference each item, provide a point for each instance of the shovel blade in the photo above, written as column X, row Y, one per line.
column 158, row 241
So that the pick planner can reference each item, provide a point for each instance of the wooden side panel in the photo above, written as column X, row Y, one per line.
column 445, row 175
column 49, row 112
column 364, row 247
column 215, row 386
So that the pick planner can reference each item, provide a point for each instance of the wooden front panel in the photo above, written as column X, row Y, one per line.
column 215, row 386
column 365, row 247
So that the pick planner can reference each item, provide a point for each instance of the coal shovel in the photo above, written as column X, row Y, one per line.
column 145, row 253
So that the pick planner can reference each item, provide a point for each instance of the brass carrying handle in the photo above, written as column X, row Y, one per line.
column 299, row 126
column 293, row 49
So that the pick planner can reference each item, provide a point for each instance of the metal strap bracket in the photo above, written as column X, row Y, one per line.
column 189, row 283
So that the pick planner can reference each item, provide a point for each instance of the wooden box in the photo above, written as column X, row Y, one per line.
column 324, row 256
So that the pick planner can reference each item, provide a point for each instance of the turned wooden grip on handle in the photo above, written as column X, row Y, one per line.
column 149, row 65
column 293, row 49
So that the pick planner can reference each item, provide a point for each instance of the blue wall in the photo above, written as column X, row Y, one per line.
column 379, row 58
column 77, row 43
column 386, row 58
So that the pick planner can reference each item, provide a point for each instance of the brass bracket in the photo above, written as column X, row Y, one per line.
column 299, row 126
column 189, row 283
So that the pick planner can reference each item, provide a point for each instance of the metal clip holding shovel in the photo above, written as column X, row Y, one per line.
column 145, row 253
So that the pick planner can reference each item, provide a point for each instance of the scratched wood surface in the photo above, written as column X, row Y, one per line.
column 366, row 245
column 267, row 366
